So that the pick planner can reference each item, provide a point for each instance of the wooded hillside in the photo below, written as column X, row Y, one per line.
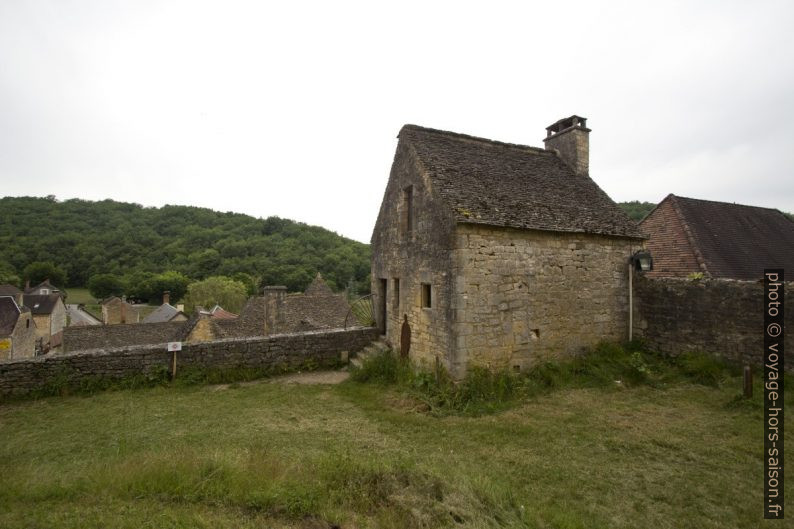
column 87, row 238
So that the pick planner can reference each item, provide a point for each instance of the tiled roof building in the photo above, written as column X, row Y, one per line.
column 717, row 239
column 498, row 254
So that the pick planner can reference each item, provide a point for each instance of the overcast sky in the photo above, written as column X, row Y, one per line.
column 292, row 109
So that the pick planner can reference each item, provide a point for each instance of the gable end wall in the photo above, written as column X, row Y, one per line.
column 423, row 257
column 673, row 255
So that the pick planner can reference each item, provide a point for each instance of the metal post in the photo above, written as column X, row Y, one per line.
column 631, row 300
column 748, row 382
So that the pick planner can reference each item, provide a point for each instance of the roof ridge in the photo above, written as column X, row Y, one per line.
column 723, row 203
column 458, row 135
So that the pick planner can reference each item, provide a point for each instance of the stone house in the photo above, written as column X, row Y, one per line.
column 276, row 312
column 45, row 288
column 165, row 312
column 718, row 239
column 499, row 255
column 11, row 290
column 116, row 310
column 17, row 330
column 49, row 313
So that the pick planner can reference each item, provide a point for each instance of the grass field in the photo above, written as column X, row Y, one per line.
column 80, row 295
column 356, row 455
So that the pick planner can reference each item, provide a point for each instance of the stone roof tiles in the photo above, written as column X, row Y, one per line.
column 501, row 184
column 164, row 312
column 9, row 314
column 9, row 290
column 41, row 303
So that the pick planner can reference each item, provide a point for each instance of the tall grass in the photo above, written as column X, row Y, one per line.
column 481, row 391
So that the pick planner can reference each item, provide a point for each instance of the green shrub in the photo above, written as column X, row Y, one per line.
column 702, row 368
column 383, row 368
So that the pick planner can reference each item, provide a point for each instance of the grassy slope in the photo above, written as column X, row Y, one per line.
column 357, row 455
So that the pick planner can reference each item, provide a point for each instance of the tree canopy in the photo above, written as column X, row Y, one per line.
column 138, row 244
column 216, row 290
column 636, row 209
column 38, row 271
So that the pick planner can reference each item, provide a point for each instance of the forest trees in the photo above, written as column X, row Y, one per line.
column 138, row 244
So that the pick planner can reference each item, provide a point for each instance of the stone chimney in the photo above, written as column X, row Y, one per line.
column 123, row 310
column 274, row 309
column 167, row 297
column 570, row 138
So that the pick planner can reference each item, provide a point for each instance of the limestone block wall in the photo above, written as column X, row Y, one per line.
column 525, row 296
column 421, row 254
column 288, row 351
column 719, row 316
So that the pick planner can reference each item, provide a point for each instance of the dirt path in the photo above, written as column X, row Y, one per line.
column 313, row 377
column 310, row 377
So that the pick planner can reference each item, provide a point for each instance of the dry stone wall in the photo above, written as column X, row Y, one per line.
column 289, row 351
column 717, row 316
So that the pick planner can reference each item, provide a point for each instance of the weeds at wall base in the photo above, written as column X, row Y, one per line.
column 484, row 391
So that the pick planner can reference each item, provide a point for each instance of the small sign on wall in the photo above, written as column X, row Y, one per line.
column 5, row 344
column 174, row 346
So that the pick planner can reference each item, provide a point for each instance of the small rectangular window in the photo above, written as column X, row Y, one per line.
column 396, row 293
column 408, row 210
column 427, row 300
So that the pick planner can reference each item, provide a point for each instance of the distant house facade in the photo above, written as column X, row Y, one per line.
column 499, row 255
column 49, row 313
column 717, row 239
column 116, row 310
column 45, row 288
column 17, row 330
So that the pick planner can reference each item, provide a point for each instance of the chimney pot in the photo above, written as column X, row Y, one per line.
column 570, row 138
column 167, row 297
column 274, row 308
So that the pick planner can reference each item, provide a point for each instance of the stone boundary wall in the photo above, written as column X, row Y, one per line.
column 286, row 351
column 718, row 316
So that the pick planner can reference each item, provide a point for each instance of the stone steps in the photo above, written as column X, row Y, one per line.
column 373, row 349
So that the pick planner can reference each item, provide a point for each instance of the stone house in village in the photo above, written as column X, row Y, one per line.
column 717, row 239
column 17, row 330
column 275, row 312
column 498, row 254
column 49, row 313
column 45, row 288
column 116, row 310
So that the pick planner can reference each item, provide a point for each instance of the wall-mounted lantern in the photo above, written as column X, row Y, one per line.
column 643, row 262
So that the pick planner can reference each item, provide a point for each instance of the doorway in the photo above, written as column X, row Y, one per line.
column 382, row 287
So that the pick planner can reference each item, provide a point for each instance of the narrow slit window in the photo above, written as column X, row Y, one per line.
column 408, row 210
column 396, row 293
column 427, row 293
